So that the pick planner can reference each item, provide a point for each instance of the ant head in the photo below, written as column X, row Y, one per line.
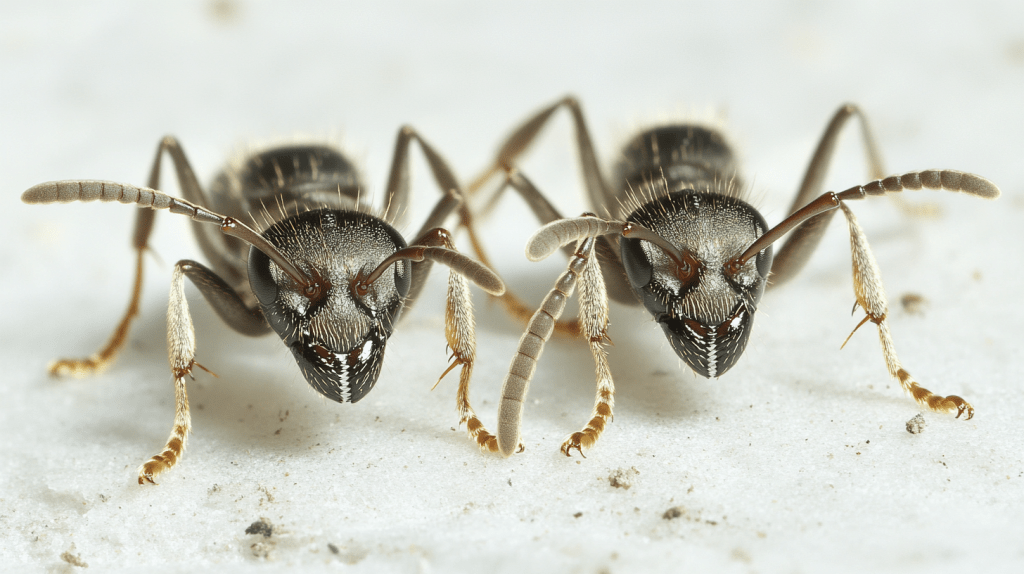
column 705, row 310
column 336, row 332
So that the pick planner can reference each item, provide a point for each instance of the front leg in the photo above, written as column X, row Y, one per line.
column 867, row 285
column 594, row 326
column 459, row 330
column 791, row 257
column 181, row 352
column 460, row 327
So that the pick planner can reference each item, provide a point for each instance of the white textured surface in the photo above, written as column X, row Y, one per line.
column 829, row 480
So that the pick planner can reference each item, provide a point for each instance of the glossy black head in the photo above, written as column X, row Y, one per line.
column 705, row 312
column 338, row 340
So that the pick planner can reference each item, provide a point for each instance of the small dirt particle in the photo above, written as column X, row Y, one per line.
column 916, row 425
column 261, row 526
column 73, row 559
column 262, row 550
column 913, row 303
column 623, row 478
column 673, row 513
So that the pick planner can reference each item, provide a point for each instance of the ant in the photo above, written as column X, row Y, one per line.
column 325, row 273
column 680, row 239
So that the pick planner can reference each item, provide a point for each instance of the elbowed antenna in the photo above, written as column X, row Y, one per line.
column 94, row 190
column 476, row 272
column 565, row 231
column 934, row 179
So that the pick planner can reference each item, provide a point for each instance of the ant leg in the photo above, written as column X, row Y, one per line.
column 594, row 318
column 867, row 284
column 460, row 331
column 531, row 346
column 597, row 190
column 228, row 304
column 396, row 197
column 421, row 269
column 105, row 356
column 545, row 213
column 181, row 350
column 607, row 248
column 102, row 359
column 797, row 250
column 521, row 138
column 460, row 326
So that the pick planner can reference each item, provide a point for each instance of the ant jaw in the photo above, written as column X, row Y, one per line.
column 710, row 350
column 346, row 376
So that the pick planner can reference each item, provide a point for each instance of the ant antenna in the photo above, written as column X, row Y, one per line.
column 92, row 190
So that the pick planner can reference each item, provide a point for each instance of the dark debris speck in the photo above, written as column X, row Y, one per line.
column 261, row 526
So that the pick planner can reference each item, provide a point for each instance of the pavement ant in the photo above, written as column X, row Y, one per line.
column 325, row 273
column 679, row 239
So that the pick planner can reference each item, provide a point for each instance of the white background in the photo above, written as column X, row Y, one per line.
column 796, row 460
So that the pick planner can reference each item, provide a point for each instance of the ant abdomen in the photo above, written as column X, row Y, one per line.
column 679, row 155
column 297, row 170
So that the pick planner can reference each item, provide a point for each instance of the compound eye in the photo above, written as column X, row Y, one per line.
column 260, row 279
column 638, row 267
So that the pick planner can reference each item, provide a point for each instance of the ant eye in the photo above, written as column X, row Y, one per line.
column 638, row 267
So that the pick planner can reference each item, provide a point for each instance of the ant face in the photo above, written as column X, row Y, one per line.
column 705, row 311
column 337, row 336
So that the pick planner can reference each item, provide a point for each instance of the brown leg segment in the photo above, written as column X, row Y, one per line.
column 460, row 326
column 867, row 285
column 181, row 351
column 175, row 447
column 594, row 320
column 102, row 359
column 514, row 306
